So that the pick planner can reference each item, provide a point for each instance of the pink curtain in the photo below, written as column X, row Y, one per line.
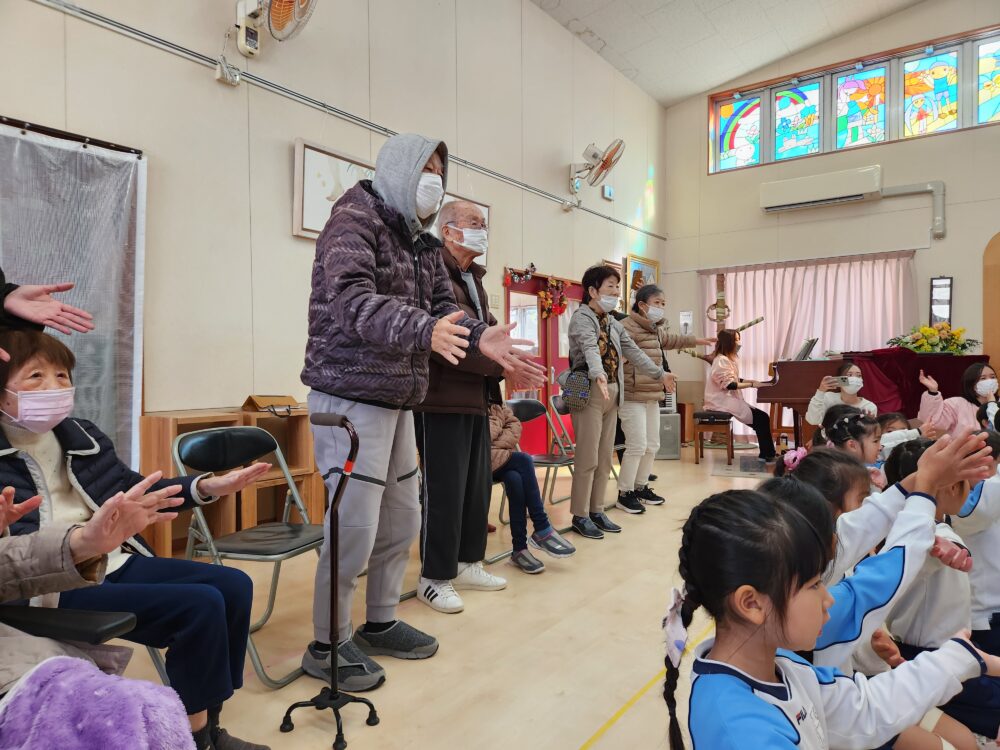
column 852, row 303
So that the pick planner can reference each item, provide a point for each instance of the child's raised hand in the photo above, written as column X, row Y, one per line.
column 930, row 431
column 951, row 554
column 928, row 382
column 886, row 648
column 952, row 460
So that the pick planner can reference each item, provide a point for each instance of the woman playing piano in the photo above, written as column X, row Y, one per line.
column 723, row 386
column 833, row 390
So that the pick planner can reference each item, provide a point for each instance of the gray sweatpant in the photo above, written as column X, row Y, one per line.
column 379, row 513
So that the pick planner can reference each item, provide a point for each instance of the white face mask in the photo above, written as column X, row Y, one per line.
column 986, row 387
column 608, row 302
column 475, row 240
column 40, row 411
column 853, row 385
column 655, row 314
column 430, row 191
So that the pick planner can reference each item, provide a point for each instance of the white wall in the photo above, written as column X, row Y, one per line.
column 715, row 220
column 227, row 285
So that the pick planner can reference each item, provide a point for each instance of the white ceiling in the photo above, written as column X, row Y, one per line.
column 674, row 49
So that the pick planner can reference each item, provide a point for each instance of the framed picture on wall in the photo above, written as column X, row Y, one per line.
column 321, row 177
column 618, row 267
column 639, row 271
column 448, row 198
column 941, row 297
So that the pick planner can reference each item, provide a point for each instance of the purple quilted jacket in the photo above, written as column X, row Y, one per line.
column 376, row 295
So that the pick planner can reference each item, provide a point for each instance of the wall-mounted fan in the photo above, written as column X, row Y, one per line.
column 284, row 19
column 597, row 166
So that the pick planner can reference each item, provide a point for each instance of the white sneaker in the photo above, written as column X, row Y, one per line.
column 475, row 576
column 439, row 595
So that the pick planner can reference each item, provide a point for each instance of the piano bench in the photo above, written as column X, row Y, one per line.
column 712, row 422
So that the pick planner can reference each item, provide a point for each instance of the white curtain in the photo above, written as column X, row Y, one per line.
column 75, row 213
column 852, row 303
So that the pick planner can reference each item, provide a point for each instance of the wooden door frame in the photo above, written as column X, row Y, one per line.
column 991, row 300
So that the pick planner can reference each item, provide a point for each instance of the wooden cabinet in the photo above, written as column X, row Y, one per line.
column 158, row 430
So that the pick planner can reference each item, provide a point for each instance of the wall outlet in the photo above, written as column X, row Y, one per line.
column 494, row 301
column 607, row 192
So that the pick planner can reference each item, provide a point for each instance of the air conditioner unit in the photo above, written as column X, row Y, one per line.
column 861, row 184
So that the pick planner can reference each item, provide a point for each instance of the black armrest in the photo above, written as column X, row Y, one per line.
column 68, row 624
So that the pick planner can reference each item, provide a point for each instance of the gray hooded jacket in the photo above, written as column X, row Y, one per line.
column 379, row 286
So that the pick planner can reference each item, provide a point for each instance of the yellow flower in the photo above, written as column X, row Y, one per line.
column 927, row 331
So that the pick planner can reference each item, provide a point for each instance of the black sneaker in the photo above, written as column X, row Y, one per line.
column 646, row 495
column 604, row 523
column 653, row 477
column 629, row 502
column 585, row 527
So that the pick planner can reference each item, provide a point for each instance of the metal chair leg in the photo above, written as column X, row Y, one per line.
column 262, row 674
column 503, row 504
column 161, row 668
column 272, row 595
column 499, row 556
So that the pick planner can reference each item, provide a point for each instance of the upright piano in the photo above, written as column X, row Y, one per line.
column 891, row 381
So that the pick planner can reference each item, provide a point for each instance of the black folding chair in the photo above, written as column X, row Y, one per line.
column 220, row 449
column 527, row 409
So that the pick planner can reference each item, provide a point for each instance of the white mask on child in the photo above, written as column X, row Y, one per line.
column 986, row 387
column 40, row 411
column 853, row 385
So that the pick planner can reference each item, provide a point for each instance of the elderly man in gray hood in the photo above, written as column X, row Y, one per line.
column 381, row 302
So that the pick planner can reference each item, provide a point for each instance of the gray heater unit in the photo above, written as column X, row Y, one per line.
column 670, row 434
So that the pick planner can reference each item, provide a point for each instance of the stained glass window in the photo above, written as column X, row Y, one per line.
column 739, row 133
column 860, row 103
column 930, row 94
column 989, row 82
column 796, row 121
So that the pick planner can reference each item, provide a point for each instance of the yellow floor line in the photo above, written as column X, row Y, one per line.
column 642, row 691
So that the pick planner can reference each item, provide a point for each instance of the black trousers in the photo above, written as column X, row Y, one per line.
column 762, row 426
column 457, row 481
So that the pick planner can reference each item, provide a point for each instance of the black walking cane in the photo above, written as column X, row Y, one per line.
column 331, row 697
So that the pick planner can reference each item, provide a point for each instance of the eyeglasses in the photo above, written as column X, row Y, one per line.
column 478, row 226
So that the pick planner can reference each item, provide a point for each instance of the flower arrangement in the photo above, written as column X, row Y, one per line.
column 553, row 298
column 940, row 338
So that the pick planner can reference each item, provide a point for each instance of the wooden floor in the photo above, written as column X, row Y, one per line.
column 553, row 662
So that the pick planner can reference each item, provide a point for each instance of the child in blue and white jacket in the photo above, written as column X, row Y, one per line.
column 978, row 523
column 756, row 566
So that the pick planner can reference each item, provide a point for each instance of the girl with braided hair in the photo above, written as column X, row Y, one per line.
column 848, row 429
column 862, row 600
column 756, row 567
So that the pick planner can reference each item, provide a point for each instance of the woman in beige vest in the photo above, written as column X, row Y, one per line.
column 640, row 410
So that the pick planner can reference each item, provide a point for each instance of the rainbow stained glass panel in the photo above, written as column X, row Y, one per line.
column 930, row 94
column 797, row 121
column 988, row 86
column 860, row 103
column 739, row 133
